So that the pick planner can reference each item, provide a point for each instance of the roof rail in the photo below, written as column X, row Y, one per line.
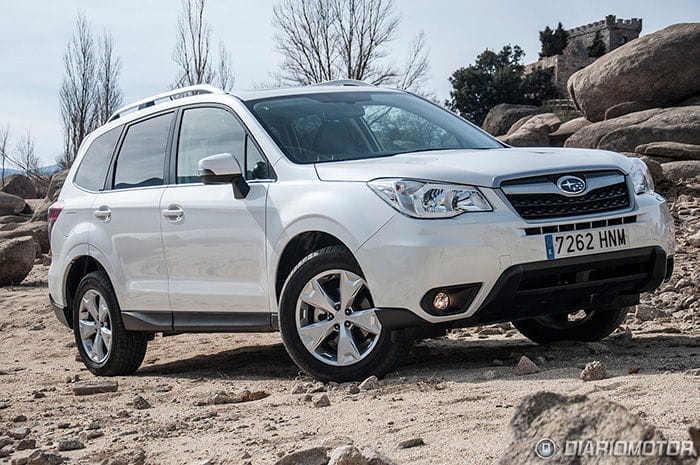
column 170, row 95
column 344, row 82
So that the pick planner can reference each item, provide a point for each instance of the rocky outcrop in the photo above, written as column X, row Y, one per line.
column 11, row 204
column 558, row 137
column 56, row 184
column 565, row 420
column 532, row 131
column 656, row 70
column 37, row 230
column 677, row 171
column 16, row 259
column 20, row 185
column 501, row 117
column 628, row 132
column 666, row 149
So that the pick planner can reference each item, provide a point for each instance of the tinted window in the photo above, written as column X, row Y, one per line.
column 93, row 169
column 142, row 156
column 256, row 164
column 204, row 132
column 333, row 126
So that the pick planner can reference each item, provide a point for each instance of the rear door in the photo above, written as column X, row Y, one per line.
column 126, row 224
column 214, row 243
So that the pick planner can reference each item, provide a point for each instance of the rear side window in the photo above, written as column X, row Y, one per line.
column 141, row 159
column 93, row 168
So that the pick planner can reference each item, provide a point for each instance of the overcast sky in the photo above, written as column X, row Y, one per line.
column 33, row 35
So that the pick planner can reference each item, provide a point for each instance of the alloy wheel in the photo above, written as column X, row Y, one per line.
column 336, row 319
column 95, row 325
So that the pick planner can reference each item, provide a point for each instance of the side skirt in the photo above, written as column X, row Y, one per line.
column 198, row 322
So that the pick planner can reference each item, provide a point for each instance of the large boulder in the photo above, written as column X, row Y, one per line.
column 532, row 131
column 675, row 124
column 626, row 133
column 677, row 171
column 501, row 117
column 675, row 150
column 16, row 259
column 558, row 137
column 37, row 230
column 11, row 204
column 19, row 185
column 56, row 184
column 577, row 421
column 656, row 70
column 41, row 213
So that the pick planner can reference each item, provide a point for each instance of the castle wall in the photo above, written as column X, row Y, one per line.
column 613, row 31
column 563, row 67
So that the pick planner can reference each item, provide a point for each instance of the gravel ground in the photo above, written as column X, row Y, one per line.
column 456, row 393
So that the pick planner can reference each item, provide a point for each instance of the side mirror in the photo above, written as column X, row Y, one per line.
column 223, row 168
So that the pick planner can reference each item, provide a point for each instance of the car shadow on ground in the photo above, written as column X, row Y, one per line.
column 459, row 360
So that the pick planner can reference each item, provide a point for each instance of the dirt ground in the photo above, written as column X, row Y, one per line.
column 457, row 393
column 451, row 392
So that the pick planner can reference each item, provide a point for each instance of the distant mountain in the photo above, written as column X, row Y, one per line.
column 51, row 169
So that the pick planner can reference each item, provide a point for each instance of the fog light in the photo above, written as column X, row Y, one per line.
column 441, row 301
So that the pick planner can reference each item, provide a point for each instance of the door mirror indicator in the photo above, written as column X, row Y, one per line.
column 223, row 168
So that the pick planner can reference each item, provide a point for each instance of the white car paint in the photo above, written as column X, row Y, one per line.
column 223, row 255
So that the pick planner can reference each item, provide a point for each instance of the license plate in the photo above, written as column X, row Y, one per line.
column 585, row 242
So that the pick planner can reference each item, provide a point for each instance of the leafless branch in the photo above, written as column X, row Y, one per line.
column 109, row 95
column 323, row 40
column 25, row 158
column 4, row 142
column 78, row 90
column 224, row 73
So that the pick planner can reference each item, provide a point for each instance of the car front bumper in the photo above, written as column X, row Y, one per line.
column 407, row 258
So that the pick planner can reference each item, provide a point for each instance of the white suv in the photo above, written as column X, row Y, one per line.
column 351, row 218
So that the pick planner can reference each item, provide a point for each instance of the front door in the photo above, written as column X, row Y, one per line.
column 214, row 243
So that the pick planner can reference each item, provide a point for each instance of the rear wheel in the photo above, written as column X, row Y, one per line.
column 583, row 325
column 328, row 321
column 106, row 348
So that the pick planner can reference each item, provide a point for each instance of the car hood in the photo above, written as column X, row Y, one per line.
column 478, row 167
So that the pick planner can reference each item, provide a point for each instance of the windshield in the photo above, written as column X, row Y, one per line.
column 325, row 127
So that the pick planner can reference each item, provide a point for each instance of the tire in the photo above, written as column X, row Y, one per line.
column 374, row 353
column 125, row 353
column 595, row 326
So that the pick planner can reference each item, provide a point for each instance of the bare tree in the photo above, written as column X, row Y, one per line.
column 78, row 91
column 192, row 53
column 4, row 141
column 90, row 89
column 25, row 158
column 323, row 40
column 224, row 73
column 109, row 95
column 307, row 39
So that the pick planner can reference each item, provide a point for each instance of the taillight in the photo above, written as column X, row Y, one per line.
column 54, row 211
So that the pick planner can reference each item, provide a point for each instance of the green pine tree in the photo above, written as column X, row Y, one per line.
column 597, row 47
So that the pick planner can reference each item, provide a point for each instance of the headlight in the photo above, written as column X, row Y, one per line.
column 425, row 199
column 641, row 178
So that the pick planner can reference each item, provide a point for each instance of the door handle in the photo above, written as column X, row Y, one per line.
column 103, row 213
column 173, row 213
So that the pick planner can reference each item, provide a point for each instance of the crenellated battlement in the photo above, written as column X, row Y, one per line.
column 610, row 22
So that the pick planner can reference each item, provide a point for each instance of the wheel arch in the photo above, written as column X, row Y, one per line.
column 77, row 269
column 299, row 247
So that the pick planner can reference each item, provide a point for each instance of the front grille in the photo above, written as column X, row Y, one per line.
column 542, row 206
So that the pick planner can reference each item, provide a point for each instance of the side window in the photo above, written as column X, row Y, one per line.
column 256, row 165
column 204, row 132
column 141, row 159
column 93, row 168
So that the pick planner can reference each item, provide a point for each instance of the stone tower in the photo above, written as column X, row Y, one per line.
column 613, row 31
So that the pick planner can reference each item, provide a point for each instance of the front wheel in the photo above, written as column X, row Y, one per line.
column 105, row 346
column 584, row 326
column 328, row 321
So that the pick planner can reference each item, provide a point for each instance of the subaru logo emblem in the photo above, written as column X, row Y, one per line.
column 571, row 185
